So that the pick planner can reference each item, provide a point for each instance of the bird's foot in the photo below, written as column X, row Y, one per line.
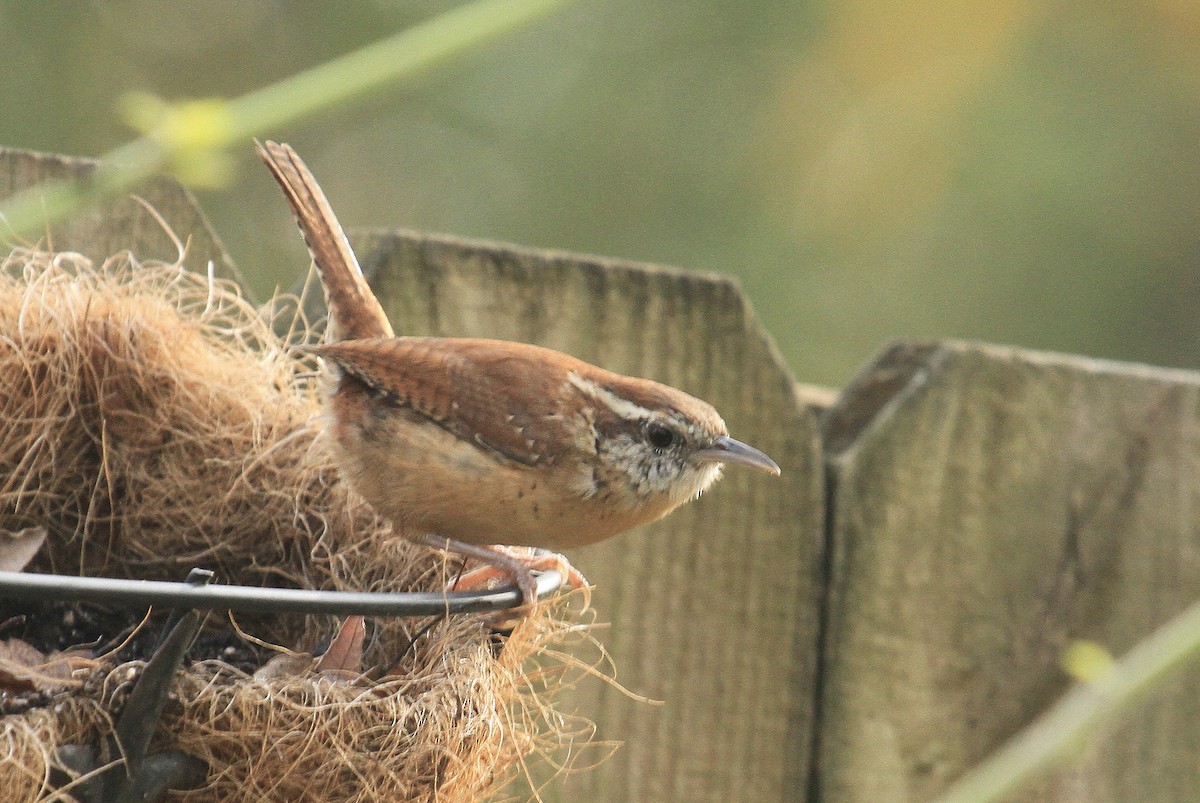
column 513, row 563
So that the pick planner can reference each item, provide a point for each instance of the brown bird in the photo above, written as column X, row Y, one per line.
column 468, row 443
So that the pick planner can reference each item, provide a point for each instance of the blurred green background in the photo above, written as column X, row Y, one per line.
column 1018, row 172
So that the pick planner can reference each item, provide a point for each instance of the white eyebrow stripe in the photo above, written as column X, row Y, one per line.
column 622, row 407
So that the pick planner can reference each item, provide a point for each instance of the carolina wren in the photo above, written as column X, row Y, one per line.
column 479, row 442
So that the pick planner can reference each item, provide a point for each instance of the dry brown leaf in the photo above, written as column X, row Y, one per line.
column 17, row 549
column 343, row 659
column 16, row 659
column 23, row 667
column 140, row 389
column 344, row 655
column 285, row 665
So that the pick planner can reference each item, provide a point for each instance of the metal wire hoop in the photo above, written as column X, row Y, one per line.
column 68, row 588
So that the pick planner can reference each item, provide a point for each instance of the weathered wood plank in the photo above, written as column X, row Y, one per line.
column 120, row 224
column 990, row 506
column 714, row 610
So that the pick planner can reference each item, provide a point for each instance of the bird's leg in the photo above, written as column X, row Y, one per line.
column 540, row 560
column 502, row 563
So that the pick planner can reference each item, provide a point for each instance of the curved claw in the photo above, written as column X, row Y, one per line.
column 506, row 563
column 521, row 569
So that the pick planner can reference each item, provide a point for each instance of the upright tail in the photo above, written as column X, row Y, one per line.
column 354, row 312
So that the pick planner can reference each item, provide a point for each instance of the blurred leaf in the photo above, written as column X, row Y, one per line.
column 191, row 136
column 1087, row 661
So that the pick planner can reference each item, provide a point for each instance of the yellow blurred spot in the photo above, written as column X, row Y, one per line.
column 193, row 134
column 1087, row 661
column 206, row 169
column 872, row 118
column 197, row 125
column 141, row 110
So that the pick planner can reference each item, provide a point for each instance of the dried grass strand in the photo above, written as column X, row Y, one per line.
column 154, row 421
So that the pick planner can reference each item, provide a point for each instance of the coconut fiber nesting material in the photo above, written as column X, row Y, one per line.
column 153, row 422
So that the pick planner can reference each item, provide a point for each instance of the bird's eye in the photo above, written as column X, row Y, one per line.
column 659, row 436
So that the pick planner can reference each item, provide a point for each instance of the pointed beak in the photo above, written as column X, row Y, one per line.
column 728, row 450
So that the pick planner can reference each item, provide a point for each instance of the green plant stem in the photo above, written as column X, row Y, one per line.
column 28, row 211
column 399, row 56
column 1065, row 729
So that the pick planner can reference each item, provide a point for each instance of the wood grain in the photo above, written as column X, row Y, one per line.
column 990, row 506
column 122, row 224
column 714, row 610
column 984, row 507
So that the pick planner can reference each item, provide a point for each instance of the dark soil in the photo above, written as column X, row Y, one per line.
column 52, row 626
